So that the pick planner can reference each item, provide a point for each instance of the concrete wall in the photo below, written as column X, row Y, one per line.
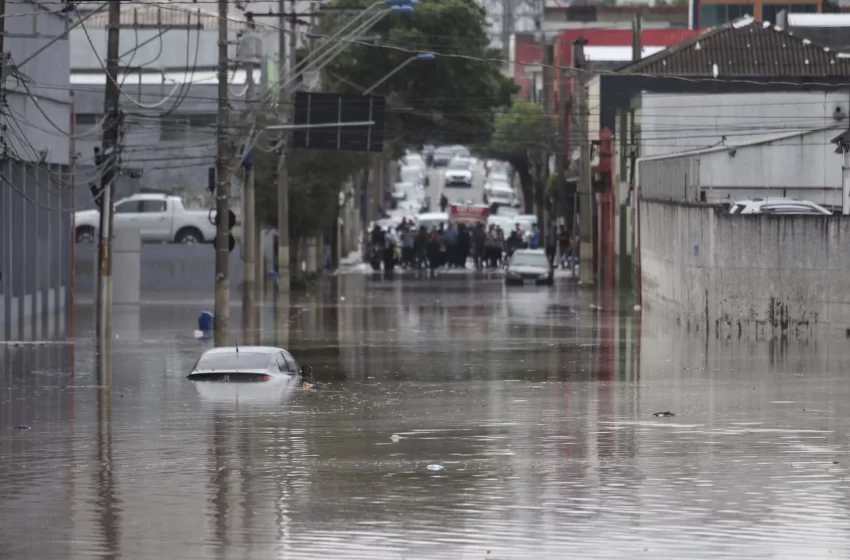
column 747, row 276
column 168, row 272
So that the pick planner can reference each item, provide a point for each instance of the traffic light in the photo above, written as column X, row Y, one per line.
column 231, row 242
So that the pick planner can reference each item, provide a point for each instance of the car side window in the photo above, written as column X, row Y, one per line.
column 127, row 207
column 294, row 368
column 153, row 206
column 281, row 363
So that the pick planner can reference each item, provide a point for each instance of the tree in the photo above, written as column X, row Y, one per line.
column 316, row 177
column 452, row 99
column 523, row 136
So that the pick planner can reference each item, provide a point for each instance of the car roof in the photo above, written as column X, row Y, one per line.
column 433, row 216
column 504, row 187
column 530, row 252
column 246, row 349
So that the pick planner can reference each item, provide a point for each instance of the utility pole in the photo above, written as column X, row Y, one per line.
column 586, row 272
column 222, row 248
column 637, row 37
column 249, row 233
column 109, row 155
column 282, row 167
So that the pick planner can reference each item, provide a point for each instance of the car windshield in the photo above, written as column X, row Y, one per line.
column 529, row 259
column 233, row 361
column 459, row 164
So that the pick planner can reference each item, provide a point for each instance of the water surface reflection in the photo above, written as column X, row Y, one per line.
column 539, row 408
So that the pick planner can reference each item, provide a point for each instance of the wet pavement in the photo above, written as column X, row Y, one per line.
column 539, row 408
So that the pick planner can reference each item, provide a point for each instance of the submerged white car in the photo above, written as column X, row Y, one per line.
column 247, row 364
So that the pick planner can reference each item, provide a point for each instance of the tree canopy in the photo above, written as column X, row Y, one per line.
column 451, row 99
column 520, row 134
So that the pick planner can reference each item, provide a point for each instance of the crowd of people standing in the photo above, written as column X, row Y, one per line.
column 451, row 246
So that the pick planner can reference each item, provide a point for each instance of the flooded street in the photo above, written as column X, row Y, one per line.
column 538, row 407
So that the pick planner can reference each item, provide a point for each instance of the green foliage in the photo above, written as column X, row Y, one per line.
column 316, row 177
column 452, row 99
column 523, row 127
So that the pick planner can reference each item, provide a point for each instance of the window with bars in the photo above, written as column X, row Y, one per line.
column 712, row 15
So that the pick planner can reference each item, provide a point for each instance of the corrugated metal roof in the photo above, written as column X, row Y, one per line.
column 161, row 15
column 744, row 48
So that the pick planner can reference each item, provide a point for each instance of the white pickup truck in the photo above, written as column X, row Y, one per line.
column 159, row 217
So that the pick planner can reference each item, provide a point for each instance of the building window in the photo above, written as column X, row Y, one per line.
column 89, row 127
column 187, row 128
column 711, row 15
column 770, row 11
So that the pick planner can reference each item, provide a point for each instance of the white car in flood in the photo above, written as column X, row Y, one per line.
column 247, row 364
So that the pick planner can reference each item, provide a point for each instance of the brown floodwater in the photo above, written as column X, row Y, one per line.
column 538, row 408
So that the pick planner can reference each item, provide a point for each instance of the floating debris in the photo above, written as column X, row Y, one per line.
column 665, row 414
column 435, row 467
column 24, row 427
column 307, row 386
column 395, row 437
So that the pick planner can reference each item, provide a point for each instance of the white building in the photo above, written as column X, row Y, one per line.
column 731, row 146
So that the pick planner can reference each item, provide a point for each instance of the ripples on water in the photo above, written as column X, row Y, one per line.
column 539, row 409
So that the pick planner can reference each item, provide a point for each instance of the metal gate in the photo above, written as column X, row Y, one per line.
column 36, row 250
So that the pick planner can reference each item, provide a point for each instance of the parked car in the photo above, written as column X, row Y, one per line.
column 415, row 160
column 529, row 265
column 778, row 206
column 432, row 220
column 412, row 174
column 460, row 151
column 159, row 217
column 246, row 364
column 501, row 195
column 442, row 156
column 459, row 173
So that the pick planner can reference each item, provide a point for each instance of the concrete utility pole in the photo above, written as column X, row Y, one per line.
column 222, row 248
column 586, row 272
column 282, row 167
column 249, row 233
column 109, row 153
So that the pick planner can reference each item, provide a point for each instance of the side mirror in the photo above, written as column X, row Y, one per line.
column 307, row 371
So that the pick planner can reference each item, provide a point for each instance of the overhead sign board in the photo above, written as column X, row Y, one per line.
column 323, row 121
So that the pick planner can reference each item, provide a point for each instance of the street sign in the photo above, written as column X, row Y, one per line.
column 231, row 241
column 312, row 110
column 232, row 217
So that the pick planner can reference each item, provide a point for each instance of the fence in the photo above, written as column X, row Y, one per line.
column 36, row 244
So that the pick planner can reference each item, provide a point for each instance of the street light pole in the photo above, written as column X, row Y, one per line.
column 249, row 236
column 394, row 71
